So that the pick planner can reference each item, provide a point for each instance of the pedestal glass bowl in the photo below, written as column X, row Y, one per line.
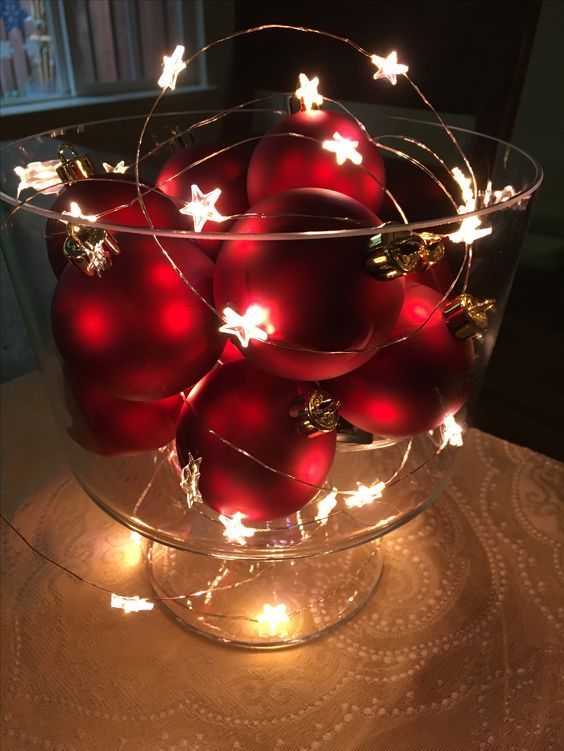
column 320, row 568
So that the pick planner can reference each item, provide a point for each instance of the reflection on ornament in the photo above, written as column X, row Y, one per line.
column 202, row 207
column 131, row 604
column 189, row 478
column 119, row 168
column 365, row 495
column 325, row 506
column 275, row 618
column 235, row 530
column 343, row 148
column 307, row 92
column 244, row 327
column 388, row 67
column 41, row 176
column 451, row 432
column 468, row 231
column 89, row 248
column 172, row 66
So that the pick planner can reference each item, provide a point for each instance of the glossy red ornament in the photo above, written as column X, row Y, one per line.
column 411, row 386
column 138, row 332
column 314, row 294
column 116, row 427
column 283, row 162
column 251, row 409
column 226, row 170
column 96, row 196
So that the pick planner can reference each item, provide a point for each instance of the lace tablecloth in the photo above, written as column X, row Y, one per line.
column 460, row 648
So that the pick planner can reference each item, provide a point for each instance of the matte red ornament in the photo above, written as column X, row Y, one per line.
column 138, row 332
column 282, row 162
column 98, row 196
column 226, row 170
column 411, row 386
column 116, row 427
column 251, row 409
column 315, row 294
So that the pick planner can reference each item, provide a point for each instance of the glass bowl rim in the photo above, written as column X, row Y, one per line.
column 387, row 228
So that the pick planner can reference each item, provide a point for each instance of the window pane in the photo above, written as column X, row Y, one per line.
column 28, row 59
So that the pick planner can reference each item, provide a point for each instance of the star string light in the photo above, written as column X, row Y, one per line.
column 388, row 67
column 41, row 176
column 365, row 495
column 343, row 148
column 451, row 432
column 119, row 169
column 76, row 213
column 189, row 478
column 131, row 604
column 275, row 617
column 468, row 231
column 202, row 207
column 307, row 92
column 244, row 327
column 325, row 506
column 235, row 530
column 172, row 67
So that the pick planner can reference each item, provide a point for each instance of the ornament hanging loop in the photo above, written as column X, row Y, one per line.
column 73, row 166
column 398, row 253
column 316, row 413
column 467, row 316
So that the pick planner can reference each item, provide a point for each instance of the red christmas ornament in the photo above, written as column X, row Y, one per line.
column 97, row 196
column 138, row 332
column 313, row 294
column 226, row 170
column 411, row 386
column 283, row 162
column 251, row 409
column 230, row 354
column 116, row 427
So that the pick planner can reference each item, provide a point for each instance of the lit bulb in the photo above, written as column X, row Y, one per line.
column 41, row 176
column 468, row 231
column 388, row 67
column 365, row 495
column 202, row 207
column 325, row 506
column 275, row 617
column 343, row 149
column 244, row 327
column 451, row 432
column 172, row 66
column 131, row 604
column 468, row 196
column 76, row 213
column 119, row 168
column 307, row 92
column 235, row 530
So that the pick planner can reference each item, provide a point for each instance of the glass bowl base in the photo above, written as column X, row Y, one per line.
column 264, row 604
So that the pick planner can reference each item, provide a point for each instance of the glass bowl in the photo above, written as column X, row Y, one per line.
column 322, row 562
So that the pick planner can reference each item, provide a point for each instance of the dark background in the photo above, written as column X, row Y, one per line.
column 493, row 66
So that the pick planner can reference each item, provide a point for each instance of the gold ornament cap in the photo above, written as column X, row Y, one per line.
column 432, row 249
column 90, row 249
column 393, row 255
column 467, row 316
column 316, row 413
column 73, row 166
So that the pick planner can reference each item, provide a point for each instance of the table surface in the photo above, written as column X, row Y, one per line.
column 460, row 647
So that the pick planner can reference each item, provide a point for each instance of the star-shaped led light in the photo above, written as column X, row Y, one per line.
column 76, row 213
column 388, row 67
column 451, row 432
column 343, row 148
column 41, row 176
column 131, row 604
column 189, row 478
column 468, row 196
column 202, row 207
column 235, row 530
column 275, row 617
column 172, row 66
column 119, row 168
column 468, row 231
column 366, row 495
column 307, row 92
column 244, row 327
column 325, row 506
